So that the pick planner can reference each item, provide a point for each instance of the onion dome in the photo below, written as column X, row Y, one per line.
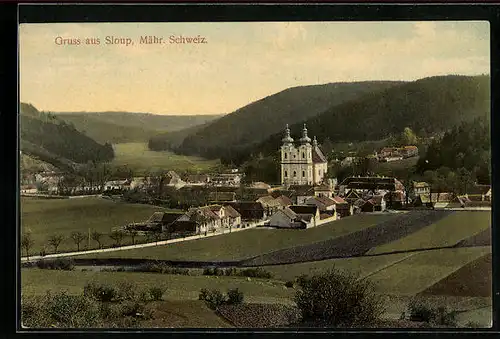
column 315, row 142
column 305, row 139
column 287, row 139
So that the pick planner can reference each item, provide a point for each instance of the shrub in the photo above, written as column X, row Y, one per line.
column 337, row 299
column 231, row 271
column 66, row 264
column 60, row 310
column 234, row 296
column 442, row 316
column 289, row 284
column 474, row 324
column 214, row 298
column 255, row 273
column 156, row 293
column 100, row 292
column 302, row 279
column 126, row 291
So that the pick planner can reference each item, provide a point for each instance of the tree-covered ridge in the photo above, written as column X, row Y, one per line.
column 428, row 106
column 255, row 122
column 57, row 137
column 466, row 147
column 122, row 127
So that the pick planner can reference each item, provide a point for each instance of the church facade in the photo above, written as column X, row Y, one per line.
column 303, row 164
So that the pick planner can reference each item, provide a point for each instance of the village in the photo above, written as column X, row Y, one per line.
column 306, row 197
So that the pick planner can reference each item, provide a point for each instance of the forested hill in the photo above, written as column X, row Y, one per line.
column 118, row 127
column 428, row 106
column 255, row 122
column 48, row 138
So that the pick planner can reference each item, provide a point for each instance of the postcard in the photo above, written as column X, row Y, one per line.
column 284, row 174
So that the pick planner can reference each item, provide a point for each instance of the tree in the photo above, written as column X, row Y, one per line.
column 77, row 237
column 408, row 137
column 132, row 233
column 55, row 240
column 27, row 243
column 117, row 236
column 338, row 300
column 157, row 236
column 96, row 236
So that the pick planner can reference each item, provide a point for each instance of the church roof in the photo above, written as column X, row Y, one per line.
column 318, row 156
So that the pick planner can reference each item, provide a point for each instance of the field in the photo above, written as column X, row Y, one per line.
column 139, row 158
column 46, row 217
column 249, row 243
column 445, row 232
column 179, row 287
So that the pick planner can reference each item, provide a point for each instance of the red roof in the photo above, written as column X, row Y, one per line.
column 339, row 200
column 317, row 156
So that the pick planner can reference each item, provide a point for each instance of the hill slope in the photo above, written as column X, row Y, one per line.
column 120, row 127
column 428, row 106
column 257, row 121
column 52, row 140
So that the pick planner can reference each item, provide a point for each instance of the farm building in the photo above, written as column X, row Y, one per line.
column 284, row 201
column 249, row 210
column 322, row 203
column 421, row 188
column 375, row 204
column 324, row 190
column 395, row 200
column 342, row 207
column 219, row 197
column 198, row 179
column 270, row 204
column 295, row 217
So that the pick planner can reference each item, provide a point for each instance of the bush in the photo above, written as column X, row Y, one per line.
column 66, row 264
column 289, row 284
column 234, row 296
column 156, row 293
column 214, row 298
column 255, row 273
column 475, row 324
column 442, row 316
column 126, row 291
column 60, row 310
column 339, row 300
column 100, row 292
column 163, row 268
column 302, row 279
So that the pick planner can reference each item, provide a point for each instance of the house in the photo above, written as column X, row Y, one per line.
column 205, row 216
column 117, row 185
column 395, row 199
column 322, row 203
column 198, row 179
column 358, row 205
column 304, row 210
column 249, row 210
column 397, row 153
column 342, row 207
column 324, row 190
column 174, row 180
column 284, row 201
column 158, row 221
column 301, row 193
column 295, row 217
column 270, row 204
column 234, row 217
column 226, row 180
column 29, row 189
column 421, row 188
column 375, row 204
column 352, row 196
column 219, row 197
column 348, row 161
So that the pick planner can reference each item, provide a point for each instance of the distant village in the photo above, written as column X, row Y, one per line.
column 305, row 198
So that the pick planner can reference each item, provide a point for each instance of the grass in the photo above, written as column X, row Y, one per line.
column 423, row 269
column 183, row 314
column 249, row 243
column 46, row 217
column 446, row 232
column 360, row 265
column 179, row 287
column 139, row 158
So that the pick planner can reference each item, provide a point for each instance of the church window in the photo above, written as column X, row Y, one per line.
column 303, row 174
column 294, row 174
column 286, row 155
column 286, row 174
column 303, row 155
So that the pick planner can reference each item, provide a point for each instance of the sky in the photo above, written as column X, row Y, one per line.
column 239, row 62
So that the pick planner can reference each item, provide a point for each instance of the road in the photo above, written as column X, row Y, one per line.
column 129, row 247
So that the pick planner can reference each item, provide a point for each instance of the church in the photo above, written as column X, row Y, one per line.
column 304, row 164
